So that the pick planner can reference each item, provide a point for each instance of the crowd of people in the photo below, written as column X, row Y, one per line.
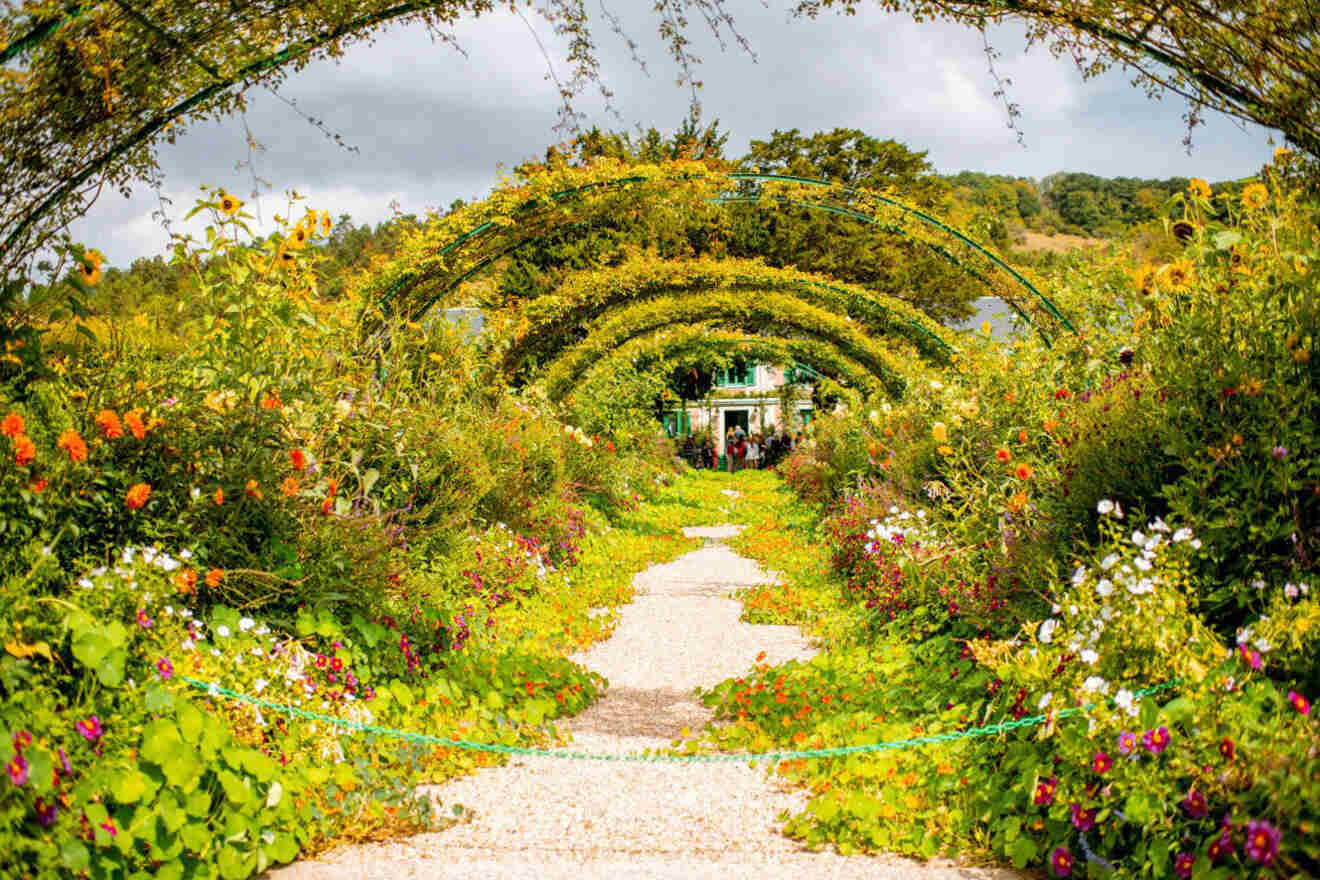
column 740, row 449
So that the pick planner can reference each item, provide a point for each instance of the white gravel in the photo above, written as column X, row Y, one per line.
column 544, row 818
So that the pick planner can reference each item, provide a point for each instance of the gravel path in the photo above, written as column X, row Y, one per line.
column 550, row 819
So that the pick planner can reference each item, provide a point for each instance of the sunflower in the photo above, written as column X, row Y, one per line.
column 1183, row 230
column 1254, row 196
column 1179, row 275
column 287, row 258
column 1281, row 155
column 229, row 206
column 325, row 222
column 90, row 266
column 1199, row 188
column 298, row 238
column 1144, row 279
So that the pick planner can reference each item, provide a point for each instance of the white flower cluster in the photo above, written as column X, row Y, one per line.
column 900, row 528
column 579, row 435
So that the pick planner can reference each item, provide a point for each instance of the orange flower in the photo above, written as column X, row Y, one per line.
column 1024, row 471
column 289, row 487
column 328, row 503
column 219, row 497
column 71, row 443
column 1017, row 502
column 109, row 424
column 252, row 489
column 138, row 495
column 38, row 486
column 12, row 425
column 25, row 451
column 332, row 488
column 1022, row 436
column 1003, row 455
column 298, row 459
column 187, row 580
column 270, row 401
column 133, row 419
column 214, row 577
column 1049, row 425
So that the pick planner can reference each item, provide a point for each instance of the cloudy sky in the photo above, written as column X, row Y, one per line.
column 431, row 124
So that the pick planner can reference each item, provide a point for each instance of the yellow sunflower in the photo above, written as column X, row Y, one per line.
column 90, row 267
column 298, row 238
column 1144, row 279
column 325, row 223
column 1199, row 188
column 1281, row 155
column 1254, row 196
column 1179, row 276
column 229, row 206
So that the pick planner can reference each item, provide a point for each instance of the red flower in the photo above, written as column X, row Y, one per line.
column 1194, row 804
column 1045, row 791
column 1227, row 750
column 12, row 425
column 1003, row 455
column 1062, row 394
column 298, row 459
column 1102, row 762
column 1182, row 864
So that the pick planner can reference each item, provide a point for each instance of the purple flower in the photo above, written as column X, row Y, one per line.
column 1127, row 741
column 1045, row 791
column 1280, row 453
column 165, row 667
column 1156, row 740
column 143, row 620
column 1262, row 843
column 64, row 760
column 1194, row 804
column 18, row 770
column 46, row 813
column 1061, row 861
column 90, row 729
column 22, row 739
column 1222, row 846
column 1182, row 864
column 1083, row 820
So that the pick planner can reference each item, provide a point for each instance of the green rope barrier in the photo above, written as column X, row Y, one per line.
column 496, row 748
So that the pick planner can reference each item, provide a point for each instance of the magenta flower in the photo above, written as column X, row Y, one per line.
column 1126, row 742
column 165, row 667
column 1156, row 740
column 1194, row 804
column 336, row 664
column 142, row 619
column 18, row 770
column 90, row 729
column 1222, row 846
column 64, row 761
column 1250, row 657
column 46, row 813
column 22, row 739
column 1280, row 453
column 1083, row 820
column 1045, row 791
column 320, row 661
column 109, row 826
column 1300, row 703
column 1262, row 843
column 1182, row 864
column 1061, row 861
column 1102, row 763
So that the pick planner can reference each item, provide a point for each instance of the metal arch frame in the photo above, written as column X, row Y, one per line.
column 920, row 215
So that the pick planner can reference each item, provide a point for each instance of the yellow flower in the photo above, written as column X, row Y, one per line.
column 1199, row 188
column 1254, row 196
column 90, row 267
column 985, row 327
column 1179, row 276
column 325, row 223
column 1144, row 279
column 297, row 240
column 944, row 450
column 229, row 206
column 1282, row 155
column 939, row 432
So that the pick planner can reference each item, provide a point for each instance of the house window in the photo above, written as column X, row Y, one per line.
column 678, row 423
column 739, row 375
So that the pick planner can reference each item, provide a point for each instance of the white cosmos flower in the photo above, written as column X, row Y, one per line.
column 1105, row 587
column 259, row 685
column 1046, row 633
column 246, row 623
column 1126, row 700
column 1196, row 543
column 222, row 631
column 1045, row 700
column 1079, row 575
column 1142, row 563
column 1139, row 539
column 1109, row 561
column 1095, row 685
column 1104, row 507
column 1183, row 534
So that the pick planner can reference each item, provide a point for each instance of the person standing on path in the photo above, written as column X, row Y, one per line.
column 730, row 447
column 753, row 452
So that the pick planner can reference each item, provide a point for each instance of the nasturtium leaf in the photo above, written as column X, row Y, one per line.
column 236, row 788
column 235, row 864
column 159, row 698
column 1022, row 851
column 131, row 786
column 74, row 856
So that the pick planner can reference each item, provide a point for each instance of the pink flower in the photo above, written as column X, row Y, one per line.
column 320, row 661
column 1061, row 861
column 1083, row 820
column 1262, row 843
column 1194, row 804
column 1300, row 703
column 1126, row 743
column 165, row 667
column 1101, row 763
column 142, row 619
column 1156, row 740
column 22, row 739
column 90, row 729
column 1250, row 657
column 18, row 770
column 1045, row 791
column 336, row 664
column 1182, row 864
column 1222, row 846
